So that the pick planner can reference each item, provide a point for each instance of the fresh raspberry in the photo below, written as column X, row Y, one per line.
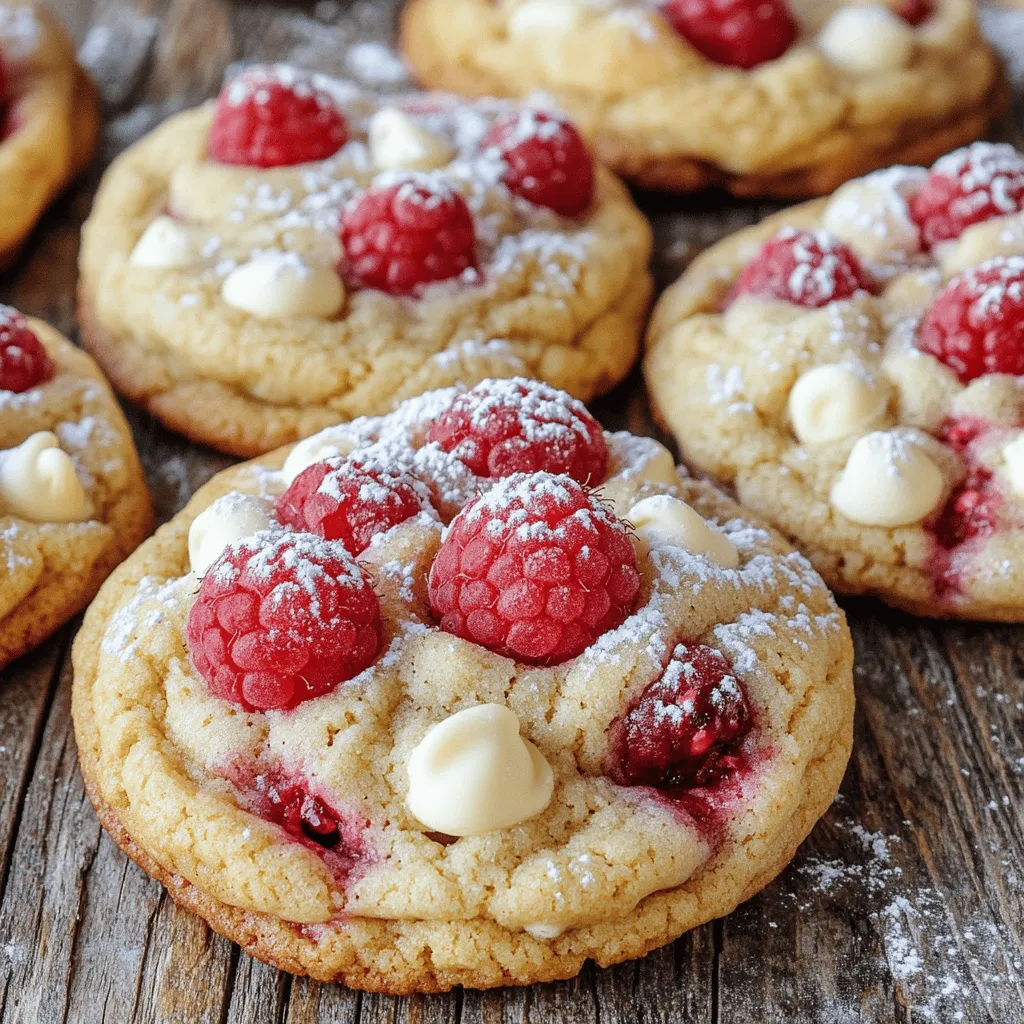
column 976, row 323
column 501, row 427
column 966, row 187
column 960, row 432
column 536, row 569
column 806, row 269
column 686, row 723
column 281, row 619
column 24, row 362
column 915, row 11
column 545, row 160
column 972, row 510
column 740, row 33
column 400, row 237
column 275, row 117
column 349, row 500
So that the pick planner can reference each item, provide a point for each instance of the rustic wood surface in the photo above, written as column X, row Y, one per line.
column 906, row 903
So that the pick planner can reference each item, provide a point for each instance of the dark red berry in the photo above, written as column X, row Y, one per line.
column 739, row 33
column 24, row 362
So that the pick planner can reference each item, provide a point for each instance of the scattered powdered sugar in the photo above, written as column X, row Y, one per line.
column 376, row 65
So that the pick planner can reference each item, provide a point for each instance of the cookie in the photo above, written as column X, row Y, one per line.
column 785, row 98
column 51, row 120
column 409, row 706
column 854, row 370
column 303, row 252
column 73, row 501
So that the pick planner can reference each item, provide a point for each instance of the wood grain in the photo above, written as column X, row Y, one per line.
column 905, row 904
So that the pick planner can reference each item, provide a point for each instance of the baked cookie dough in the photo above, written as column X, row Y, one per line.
column 854, row 370
column 51, row 119
column 331, row 762
column 761, row 97
column 73, row 501
column 396, row 245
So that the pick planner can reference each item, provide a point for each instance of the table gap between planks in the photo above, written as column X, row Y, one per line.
column 904, row 905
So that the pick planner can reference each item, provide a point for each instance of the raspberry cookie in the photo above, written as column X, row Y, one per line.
column 302, row 252
column 786, row 98
column 51, row 120
column 854, row 369
column 73, row 502
column 411, row 706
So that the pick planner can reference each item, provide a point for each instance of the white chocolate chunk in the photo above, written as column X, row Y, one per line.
column 1013, row 468
column 865, row 39
column 1000, row 236
column 231, row 517
column 166, row 244
column 831, row 402
column 872, row 214
column 473, row 773
column 889, row 480
column 278, row 285
column 544, row 16
column 398, row 142
column 38, row 482
column 325, row 445
column 662, row 519
column 659, row 468
column 544, row 932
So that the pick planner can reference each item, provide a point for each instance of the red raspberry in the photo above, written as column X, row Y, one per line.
column 915, row 11
column 280, row 620
column 502, row 427
column 966, row 187
column 400, row 237
column 740, row 33
column 536, row 569
column 546, row 161
column 686, row 723
column 976, row 323
column 804, row 268
column 24, row 362
column 972, row 510
column 349, row 501
column 275, row 117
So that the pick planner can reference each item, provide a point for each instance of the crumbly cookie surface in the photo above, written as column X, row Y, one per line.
column 605, row 871
column 724, row 372
column 52, row 119
column 559, row 298
column 53, row 569
column 665, row 116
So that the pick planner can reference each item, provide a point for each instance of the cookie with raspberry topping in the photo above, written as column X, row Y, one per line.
column 73, row 498
column 367, row 247
column 750, row 95
column 879, row 432
column 531, row 713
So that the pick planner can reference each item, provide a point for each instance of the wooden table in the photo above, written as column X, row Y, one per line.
column 906, row 903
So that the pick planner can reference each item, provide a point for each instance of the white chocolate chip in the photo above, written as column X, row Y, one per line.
column 325, row 445
column 166, row 244
column 544, row 932
column 831, row 402
column 889, row 480
column 662, row 519
column 38, row 482
column 474, row 773
column 865, row 39
column 872, row 214
column 659, row 467
column 1013, row 468
column 231, row 517
column 1000, row 236
column 544, row 16
column 397, row 142
column 277, row 285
